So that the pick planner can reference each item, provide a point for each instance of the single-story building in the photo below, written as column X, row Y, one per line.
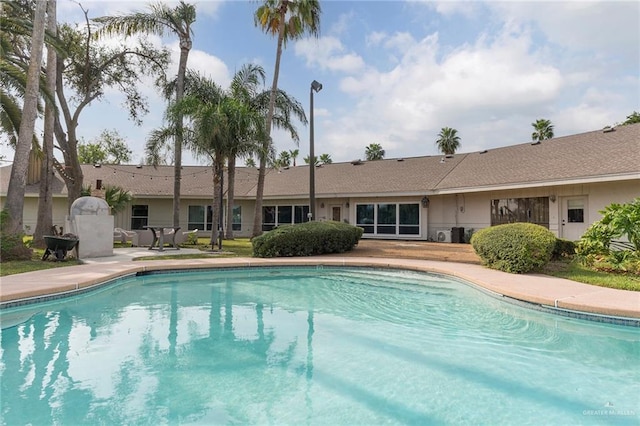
column 560, row 183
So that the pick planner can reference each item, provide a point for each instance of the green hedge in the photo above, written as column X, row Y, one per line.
column 563, row 248
column 514, row 247
column 307, row 239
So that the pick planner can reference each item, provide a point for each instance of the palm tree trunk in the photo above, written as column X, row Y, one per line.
column 17, row 181
column 218, row 169
column 185, row 46
column 262, row 171
column 231, row 183
column 45, row 202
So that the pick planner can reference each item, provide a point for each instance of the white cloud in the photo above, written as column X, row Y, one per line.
column 328, row 53
column 470, row 88
column 589, row 26
column 375, row 38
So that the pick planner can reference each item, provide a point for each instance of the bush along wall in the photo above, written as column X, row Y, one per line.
column 515, row 247
column 307, row 239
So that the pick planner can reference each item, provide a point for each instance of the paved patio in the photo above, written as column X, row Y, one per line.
column 548, row 292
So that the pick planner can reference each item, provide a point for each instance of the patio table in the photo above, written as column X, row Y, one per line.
column 158, row 237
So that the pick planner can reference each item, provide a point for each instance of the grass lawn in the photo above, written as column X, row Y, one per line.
column 35, row 264
column 572, row 270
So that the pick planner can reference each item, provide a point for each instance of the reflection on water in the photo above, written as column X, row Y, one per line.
column 337, row 346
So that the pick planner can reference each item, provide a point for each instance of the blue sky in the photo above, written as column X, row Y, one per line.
column 396, row 72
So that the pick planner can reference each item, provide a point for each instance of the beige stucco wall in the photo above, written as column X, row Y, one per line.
column 472, row 210
column 469, row 210
column 30, row 215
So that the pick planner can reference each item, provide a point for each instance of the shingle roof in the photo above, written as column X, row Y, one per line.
column 584, row 157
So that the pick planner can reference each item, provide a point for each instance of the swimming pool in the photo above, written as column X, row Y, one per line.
column 310, row 345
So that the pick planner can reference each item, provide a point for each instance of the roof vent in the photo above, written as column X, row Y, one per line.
column 97, row 165
column 448, row 156
column 535, row 143
column 608, row 129
column 483, row 151
column 139, row 166
column 356, row 162
column 400, row 159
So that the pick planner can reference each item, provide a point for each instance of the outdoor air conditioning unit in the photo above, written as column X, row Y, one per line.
column 444, row 236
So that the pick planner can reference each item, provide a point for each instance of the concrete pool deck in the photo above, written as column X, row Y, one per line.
column 550, row 293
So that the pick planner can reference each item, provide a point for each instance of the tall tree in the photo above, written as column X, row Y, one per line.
column 632, row 118
column 374, row 152
column 288, row 20
column 83, row 76
column 108, row 148
column 159, row 20
column 16, row 27
column 45, row 201
column 15, row 191
column 448, row 141
column 543, row 129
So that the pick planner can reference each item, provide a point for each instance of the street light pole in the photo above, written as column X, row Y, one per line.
column 315, row 87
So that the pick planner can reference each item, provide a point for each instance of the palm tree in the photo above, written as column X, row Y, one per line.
column 284, row 160
column 15, row 35
column 543, row 130
column 15, row 192
column 45, row 200
column 448, row 141
column 117, row 198
column 161, row 20
column 288, row 20
column 374, row 152
column 293, row 153
column 325, row 159
column 246, row 89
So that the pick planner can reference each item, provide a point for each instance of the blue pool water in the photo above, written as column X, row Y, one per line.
column 332, row 346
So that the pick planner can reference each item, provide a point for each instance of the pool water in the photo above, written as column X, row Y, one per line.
column 326, row 346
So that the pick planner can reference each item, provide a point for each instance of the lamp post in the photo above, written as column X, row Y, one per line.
column 315, row 87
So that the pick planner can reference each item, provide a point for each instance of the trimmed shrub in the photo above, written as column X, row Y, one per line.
column 307, row 239
column 514, row 247
column 563, row 248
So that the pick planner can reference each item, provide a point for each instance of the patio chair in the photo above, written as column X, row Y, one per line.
column 123, row 236
column 185, row 236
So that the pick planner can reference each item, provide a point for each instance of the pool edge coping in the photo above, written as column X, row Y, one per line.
column 578, row 304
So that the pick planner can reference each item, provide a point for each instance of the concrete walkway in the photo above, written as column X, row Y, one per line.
column 543, row 291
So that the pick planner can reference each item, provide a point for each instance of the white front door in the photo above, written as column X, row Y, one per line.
column 574, row 217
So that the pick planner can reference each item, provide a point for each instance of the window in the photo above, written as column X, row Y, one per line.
column 575, row 211
column 285, row 214
column 301, row 214
column 273, row 216
column 389, row 219
column 365, row 217
column 510, row 210
column 201, row 218
column 409, row 219
column 139, row 216
column 196, row 218
column 268, row 218
column 236, row 219
column 386, row 219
